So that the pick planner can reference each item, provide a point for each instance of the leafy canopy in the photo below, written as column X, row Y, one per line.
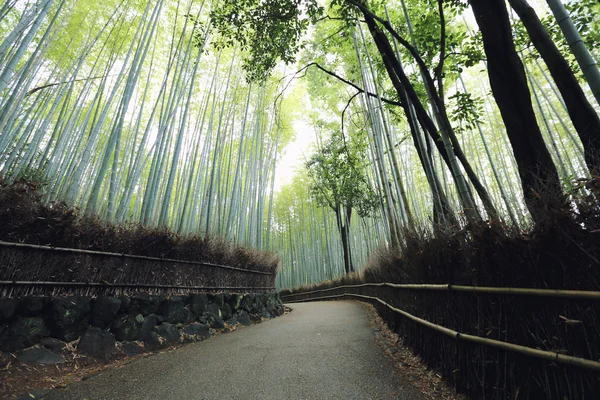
column 338, row 176
column 265, row 30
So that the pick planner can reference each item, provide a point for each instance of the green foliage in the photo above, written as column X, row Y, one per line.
column 87, row 18
column 330, row 46
column 471, row 52
column 582, row 14
column 267, row 31
column 338, row 176
column 426, row 29
column 35, row 175
column 466, row 111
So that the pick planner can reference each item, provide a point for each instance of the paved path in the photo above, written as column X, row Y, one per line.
column 321, row 350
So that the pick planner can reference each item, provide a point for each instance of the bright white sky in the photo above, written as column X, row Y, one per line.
column 292, row 157
column 294, row 153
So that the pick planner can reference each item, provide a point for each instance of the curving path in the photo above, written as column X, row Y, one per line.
column 321, row 350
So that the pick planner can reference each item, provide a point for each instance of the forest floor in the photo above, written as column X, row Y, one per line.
column 332, row 350
column 27, row 381
column 320, row 350
column 410, row 366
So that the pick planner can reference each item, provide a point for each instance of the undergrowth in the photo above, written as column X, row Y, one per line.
column 25, row 218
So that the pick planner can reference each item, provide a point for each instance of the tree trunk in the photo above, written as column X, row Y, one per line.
column 348, row 217
column 580, row 110
column 509, row 85
column 402, row 84
column 442, row 212
column 343, row 220
column 439, row 109
column 503, row 193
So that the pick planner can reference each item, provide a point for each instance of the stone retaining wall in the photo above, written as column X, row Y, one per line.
column 44, row 325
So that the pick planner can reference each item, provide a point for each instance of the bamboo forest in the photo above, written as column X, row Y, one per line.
column 405, row 115
column 171, row 170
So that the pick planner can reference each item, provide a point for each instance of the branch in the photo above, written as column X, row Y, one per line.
column 396, row 35
column 347, row 82
column 333, row 34
column 327, row 17
column 32, row 91
column 453, row 53
column 323, row 193
column 295, row 74
column 344, row 111
column 343, row 136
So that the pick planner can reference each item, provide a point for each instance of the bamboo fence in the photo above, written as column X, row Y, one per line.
column 131, row 256
column 29, row 270
column 554, row 293
column 132, row 285
column 537, row 353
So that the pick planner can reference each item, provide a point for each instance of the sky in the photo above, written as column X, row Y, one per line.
column 298, row 149
column 294, row 153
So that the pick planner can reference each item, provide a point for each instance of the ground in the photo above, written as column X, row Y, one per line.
column 409, row 366
column 321, row 350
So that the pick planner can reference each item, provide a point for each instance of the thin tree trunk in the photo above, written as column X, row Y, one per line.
column 343, row 227
column 401, row 82
column 446, row 130
column 493, row 166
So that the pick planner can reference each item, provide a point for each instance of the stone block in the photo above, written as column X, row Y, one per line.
column 97, row 342
column 104, row 311
column 68, row 317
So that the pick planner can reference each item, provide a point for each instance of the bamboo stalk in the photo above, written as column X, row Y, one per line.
column 131, row 285
column 528, row 351
column 132, row 256
column 555, row 293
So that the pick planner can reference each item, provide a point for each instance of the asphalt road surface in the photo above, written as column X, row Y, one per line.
column 321, row 350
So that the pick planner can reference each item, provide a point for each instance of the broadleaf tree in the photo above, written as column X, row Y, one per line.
column 338, row 181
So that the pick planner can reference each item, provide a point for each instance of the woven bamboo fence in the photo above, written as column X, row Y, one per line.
column 27, row 269
column 491, row 342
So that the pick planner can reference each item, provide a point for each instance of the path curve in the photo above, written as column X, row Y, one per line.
column 321, row 350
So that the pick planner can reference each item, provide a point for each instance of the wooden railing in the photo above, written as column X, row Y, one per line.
column 554, row 293
column 537, row 353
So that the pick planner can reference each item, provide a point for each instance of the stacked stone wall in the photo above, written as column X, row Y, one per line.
column 39, row 328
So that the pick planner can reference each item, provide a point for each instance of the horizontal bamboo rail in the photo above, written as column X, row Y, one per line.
column 132, row 256
column 131, row 285
column 555, row 293
column 528, row 351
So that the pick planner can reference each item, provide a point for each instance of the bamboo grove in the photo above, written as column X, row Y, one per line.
column 169, row 113
column 121, row 108
column 425, row 180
